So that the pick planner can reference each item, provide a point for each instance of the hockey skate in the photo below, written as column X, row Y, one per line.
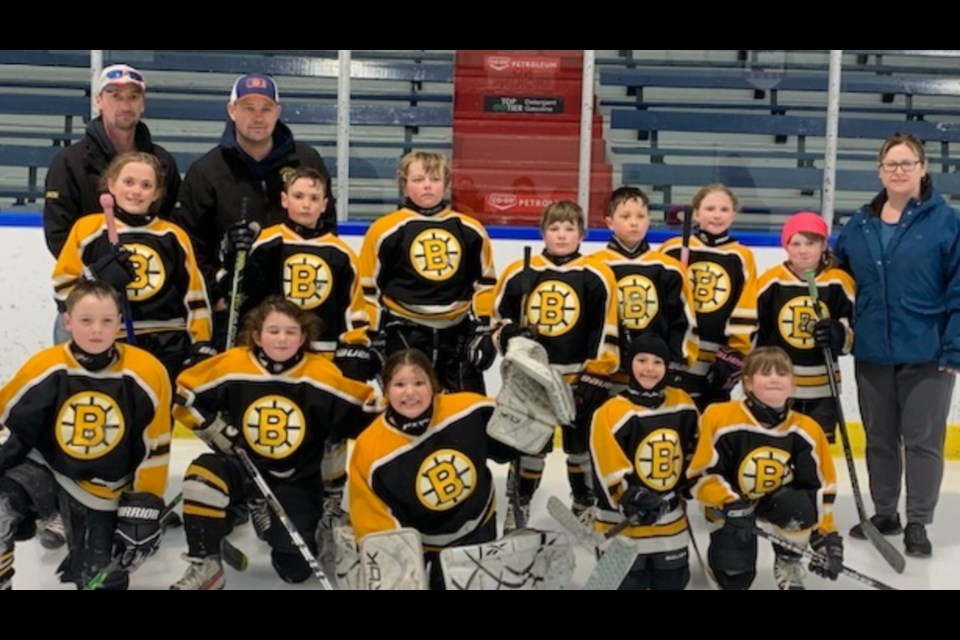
column 788, row 572
column 51, row 532
column 203, row 574
column 510, row 519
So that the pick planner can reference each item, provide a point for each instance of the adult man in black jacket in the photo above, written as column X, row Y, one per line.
column 240, row 181
column 73, row 179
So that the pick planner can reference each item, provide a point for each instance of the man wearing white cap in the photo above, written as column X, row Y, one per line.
column 239, row 182
column 72, row 186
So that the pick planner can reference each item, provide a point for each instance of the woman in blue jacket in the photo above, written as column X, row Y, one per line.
column 903, row 249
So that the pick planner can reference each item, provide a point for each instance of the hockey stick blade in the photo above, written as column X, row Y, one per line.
column 233, row 556
column 893, row 557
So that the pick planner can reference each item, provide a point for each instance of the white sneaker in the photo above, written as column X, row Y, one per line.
column 260, row 516
column 51, row 532
column 788, row 572
column 510, row 519
column 203, row 574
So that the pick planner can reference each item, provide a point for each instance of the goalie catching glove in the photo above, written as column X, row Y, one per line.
column 138, row 528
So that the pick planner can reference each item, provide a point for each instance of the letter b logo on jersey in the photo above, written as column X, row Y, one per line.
column 149, row 270
column 307, row 280
column 796, row 319
column 445, row 479
column 639, row 302
column 554, row 308
column 659, row 459
column 274, row 427
column 89, row 426
column 436, row 255
column 764, row 470
column 711, row 286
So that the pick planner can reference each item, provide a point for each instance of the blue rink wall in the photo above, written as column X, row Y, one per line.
column 27, row 310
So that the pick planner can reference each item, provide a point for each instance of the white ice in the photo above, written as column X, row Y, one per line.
column 35, row 566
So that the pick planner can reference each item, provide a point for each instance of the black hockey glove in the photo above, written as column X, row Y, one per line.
column 641, row 505
column 197, row 353
column 241, row 236
column 829, row 546
column 138, row 528
column 220, row 436
column 726, row 369
column 114, row 267
column 830, row 333
column 479, row 349
column 590, row 392
column 357, row 362
column 739, row 516
column 511, row 330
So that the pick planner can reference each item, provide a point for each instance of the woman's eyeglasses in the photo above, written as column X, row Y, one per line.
column 906, row 165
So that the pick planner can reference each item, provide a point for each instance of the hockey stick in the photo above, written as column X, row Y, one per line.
column 238, row 266
column 618, row 556
column 114, row 565
column 106, row 203
column 707, row 571
column 685, row 245
column 820, row 560
column 281, row 513
column 514, row 492
column 886, row 549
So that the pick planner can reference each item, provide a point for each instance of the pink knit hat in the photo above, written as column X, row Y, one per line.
column 805, row 221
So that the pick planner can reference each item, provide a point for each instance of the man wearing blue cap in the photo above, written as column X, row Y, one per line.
column 240, row 182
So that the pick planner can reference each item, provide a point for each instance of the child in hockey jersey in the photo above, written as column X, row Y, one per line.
column 571, row 309
column 154, row 265
column 428, row 277
column 423, row 463
column 303, row 261
column 787, row 317
column 641, row 442
column 723, row 275
column 653, row 292
column 281, row 403
column 756, row 459
column 85, row 429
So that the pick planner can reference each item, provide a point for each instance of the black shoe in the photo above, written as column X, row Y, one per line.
column 916, row 541
column 887, row 525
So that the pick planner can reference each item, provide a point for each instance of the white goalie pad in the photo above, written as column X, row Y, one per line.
column 533, row 399
column 347, row 559
column 528, row 560
column 392, row 561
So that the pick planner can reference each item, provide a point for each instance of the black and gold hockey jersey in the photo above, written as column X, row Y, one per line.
column 723, row 277
column 100, row 433
column 573, row 308
column 437, row 483
column 786, row 317
column 283, row 419
column 430, row 270
column 738, row 457
column 168, row 293
column 635, row 445
column 320, row 275
column 654, row 297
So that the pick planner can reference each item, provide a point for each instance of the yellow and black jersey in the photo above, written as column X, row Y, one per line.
column 437, row 483
column 100, row 433
column 168, row 293
column 723, row 277
column 738, row 457
column 654, row 297
column 283, row 419
column 573, row 308
column 320, row 275
column 431, row 270
column 635, row 445
column 786, row 317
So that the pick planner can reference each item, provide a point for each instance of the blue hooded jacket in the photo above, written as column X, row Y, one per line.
column 908, row 295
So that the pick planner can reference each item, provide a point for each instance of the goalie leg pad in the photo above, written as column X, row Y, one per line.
column 392, row 560
column 526, row 560
column 346, row 558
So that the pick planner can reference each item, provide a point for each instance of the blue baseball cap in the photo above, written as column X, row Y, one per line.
column 255, row 84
